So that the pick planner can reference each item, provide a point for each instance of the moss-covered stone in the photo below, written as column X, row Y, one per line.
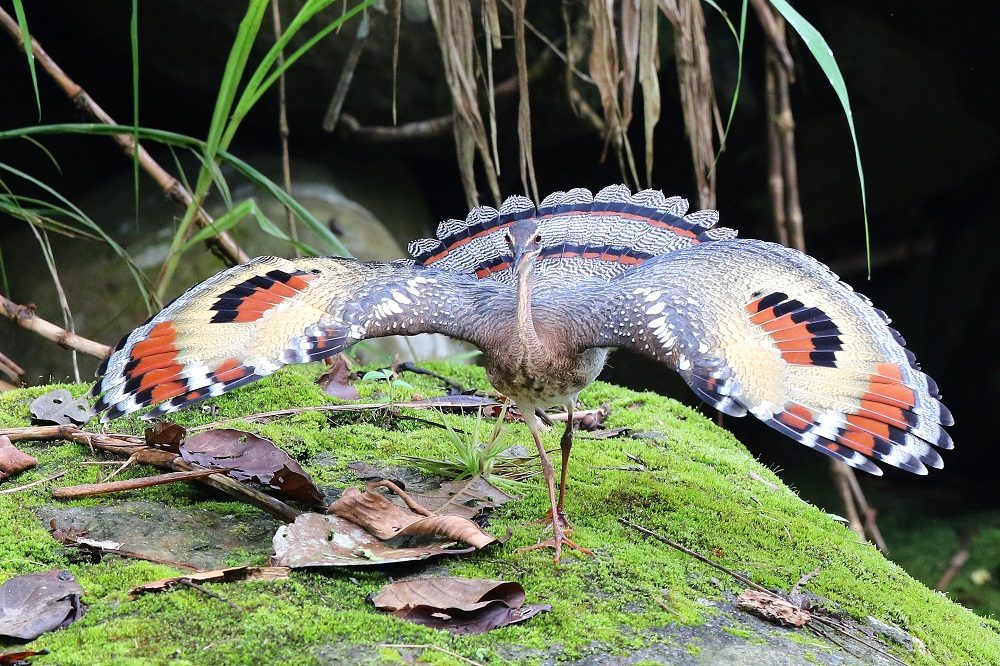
column 696, row 488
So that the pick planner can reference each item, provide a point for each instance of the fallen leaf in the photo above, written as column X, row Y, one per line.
column 165, row 435
column 460, row 605
column 315, row 540
column 247, row 457
column 374, row 512
column 336, row 381
column 12, row 459
column 58, row 407
column 466, row 498
column 773, row 608
column 38, row 602
column 228, row 575
column 19, row 658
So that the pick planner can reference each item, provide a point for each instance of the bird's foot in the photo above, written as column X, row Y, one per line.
column 567, row 527
column 558, row 539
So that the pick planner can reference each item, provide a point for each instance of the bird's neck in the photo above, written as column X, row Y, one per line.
column 525, row 322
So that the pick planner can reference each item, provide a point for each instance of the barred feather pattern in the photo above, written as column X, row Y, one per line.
column 752, row 327
column 598, row 236
column 760, row 328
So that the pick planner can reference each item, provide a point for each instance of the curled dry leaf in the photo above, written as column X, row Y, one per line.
column 247, row 457
column 315, row 540
column 12, row 459
column 374, row 512
column 460, row 605
column 336, row 381
column 58, row 407
column 38, row 602
column 228, row 575
column 165, row 435
column 773, row 608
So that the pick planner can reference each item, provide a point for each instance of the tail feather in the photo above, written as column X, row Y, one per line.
column 597, row 236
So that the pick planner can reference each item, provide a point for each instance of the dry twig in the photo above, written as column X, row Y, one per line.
column 128, row 445
column 33, row 484
column 93, row 489
column 25, row 317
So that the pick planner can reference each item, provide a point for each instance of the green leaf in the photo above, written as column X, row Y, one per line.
column 823, row 54
column 22, row 21
column 740, row 38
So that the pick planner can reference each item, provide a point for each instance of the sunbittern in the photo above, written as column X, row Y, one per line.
column 546, row 294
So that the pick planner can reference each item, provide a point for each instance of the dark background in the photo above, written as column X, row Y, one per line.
column 923, row 84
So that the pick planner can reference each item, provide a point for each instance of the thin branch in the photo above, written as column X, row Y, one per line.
column 93, row 489
column 283, row 131
column 8, row 367
column 129, row 445
column 25, row 317
column 774, row 28
column 701, row 558
column 33, row 484
column 420, row 129
column 222, row 243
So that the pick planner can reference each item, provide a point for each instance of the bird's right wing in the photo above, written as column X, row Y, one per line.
column 754, row 326
column 247, row 321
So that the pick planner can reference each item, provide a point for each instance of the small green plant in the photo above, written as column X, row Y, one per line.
column 386, row 375
column 472, row 455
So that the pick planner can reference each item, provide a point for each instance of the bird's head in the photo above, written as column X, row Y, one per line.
column 525, row 242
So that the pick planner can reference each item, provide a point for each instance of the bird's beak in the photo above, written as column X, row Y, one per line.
column 518, row 258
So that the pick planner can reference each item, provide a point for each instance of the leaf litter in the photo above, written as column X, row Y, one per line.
column 34, row 603
column 367, row 528
column 58, row 407
column 247, row 457
column 460, row 605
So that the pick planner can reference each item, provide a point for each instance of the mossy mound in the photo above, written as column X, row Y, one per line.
column 699, row 486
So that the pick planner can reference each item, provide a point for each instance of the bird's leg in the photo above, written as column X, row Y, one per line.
column 558, row 537
column 566, row 443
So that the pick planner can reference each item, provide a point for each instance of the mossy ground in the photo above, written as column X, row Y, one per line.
column 696, row 488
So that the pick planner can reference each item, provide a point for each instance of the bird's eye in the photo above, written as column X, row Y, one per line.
column 538, row 238
column 508, row 239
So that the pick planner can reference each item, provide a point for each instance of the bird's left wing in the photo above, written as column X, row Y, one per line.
column 754, row 326
column 247, row 321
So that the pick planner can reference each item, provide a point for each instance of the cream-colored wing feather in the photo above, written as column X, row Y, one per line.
column 246, row 322
column 754, row 326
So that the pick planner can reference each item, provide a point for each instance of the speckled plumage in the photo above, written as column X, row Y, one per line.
column 751, row 326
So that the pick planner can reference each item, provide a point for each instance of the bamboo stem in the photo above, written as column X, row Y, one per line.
column 25, row 317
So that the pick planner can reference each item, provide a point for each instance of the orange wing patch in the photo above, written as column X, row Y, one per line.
column 804, row 335
column 251, row 299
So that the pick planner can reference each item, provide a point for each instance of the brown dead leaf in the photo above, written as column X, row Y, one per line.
column 165, row 435
column 228, row 575
column 773, row 608
column 467, row 498
column 460, row 605
column 374, row 512
column 315, row 540
column 247, row 457
column 58, row 407
column 12, row 459
column 336, row 381
column 35, row 603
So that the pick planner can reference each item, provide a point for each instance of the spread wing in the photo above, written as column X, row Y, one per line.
column 760, row 328
column 246, row 322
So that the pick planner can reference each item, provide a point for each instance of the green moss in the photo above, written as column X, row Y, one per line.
column 696, row 488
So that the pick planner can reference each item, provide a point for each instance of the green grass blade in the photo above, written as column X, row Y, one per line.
column 740, row 41
column 823, row 54
column 333, row 244
column 138, row 276
column 22, row 22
